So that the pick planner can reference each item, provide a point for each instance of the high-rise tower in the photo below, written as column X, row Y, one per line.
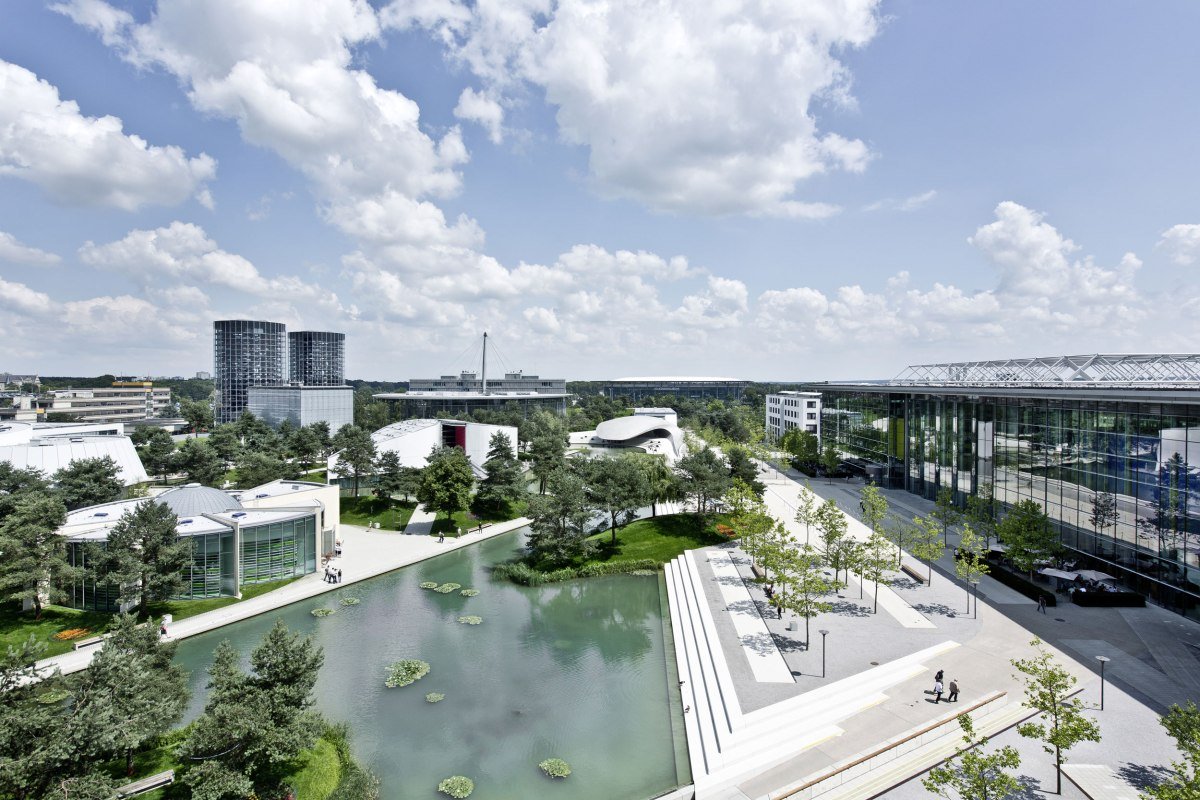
column 246, row 353
column 317, row 358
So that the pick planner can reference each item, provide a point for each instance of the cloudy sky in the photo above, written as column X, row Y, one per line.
column 767, row 189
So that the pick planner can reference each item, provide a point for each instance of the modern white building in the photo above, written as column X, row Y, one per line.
column 124, row 401
column 414, row 439
column 49, row 447
column 278, row 530
column 651, row 430
column 789, row 409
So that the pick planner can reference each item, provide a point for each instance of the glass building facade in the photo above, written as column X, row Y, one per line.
column 1069, row 450
column 302, row 405
column 245, row 353
column 317, row 358
column 281, row 549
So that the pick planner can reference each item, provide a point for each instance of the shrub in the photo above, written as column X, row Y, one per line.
column 457, row 786
column 323, row 612
column 350, row 601
column 447, row 588
column 434, row 697
column 555, row 767
column 402, row 673
column 470, row 619
column 429, row 584
column 469, row 592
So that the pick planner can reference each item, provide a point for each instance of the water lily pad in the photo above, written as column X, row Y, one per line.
column 402, row 673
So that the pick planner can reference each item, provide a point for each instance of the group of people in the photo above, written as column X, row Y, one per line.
column 333, row 575
column 939, row 688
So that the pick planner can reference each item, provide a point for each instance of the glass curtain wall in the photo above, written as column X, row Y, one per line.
column 279, row 550
column 90, row 591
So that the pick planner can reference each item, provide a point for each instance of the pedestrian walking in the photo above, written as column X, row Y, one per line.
column 779, row 610
column 339, row 575
column 441, row 538
column 953, row 698
column 1042, row 603
column 937, row 691
column 938, row 678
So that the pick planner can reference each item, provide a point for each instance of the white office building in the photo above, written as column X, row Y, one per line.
column 787, row 410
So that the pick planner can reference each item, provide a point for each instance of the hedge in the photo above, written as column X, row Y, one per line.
column 1022, row 584
column 522, row 573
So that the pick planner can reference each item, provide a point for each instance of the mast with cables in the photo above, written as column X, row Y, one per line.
column 484, row 371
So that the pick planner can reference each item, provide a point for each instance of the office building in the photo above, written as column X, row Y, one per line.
column 246, row 353
column 302, row 405
column 278, row 530
column 470, row 381
column 1065, row 432
column 638, row 389
column 317, row 358
column 203, row 376
column 124, row 401
column 788, row 409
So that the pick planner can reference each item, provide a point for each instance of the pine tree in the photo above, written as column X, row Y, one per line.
column 558, row 530
column 35, row 563
column 145, row 556
column 503, row 485
column 88, row 482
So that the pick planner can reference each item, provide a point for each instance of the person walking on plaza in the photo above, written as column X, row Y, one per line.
column 937, row 691
column 1042, row 603
column 938, row 678
column 953, row 698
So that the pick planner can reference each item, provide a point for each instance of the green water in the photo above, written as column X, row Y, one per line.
column 576, row 671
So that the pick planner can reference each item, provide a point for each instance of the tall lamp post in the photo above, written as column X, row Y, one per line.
column 825, row 633
column 1103, row 660
column 975, row 599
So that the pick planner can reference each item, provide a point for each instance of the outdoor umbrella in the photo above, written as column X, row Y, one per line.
column 1093, row 575
column 1057, row 573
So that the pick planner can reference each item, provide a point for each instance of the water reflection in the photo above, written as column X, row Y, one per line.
column 617, row 618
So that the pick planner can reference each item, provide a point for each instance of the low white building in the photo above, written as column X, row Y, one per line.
column 651, row 430
column 414, row 439
column 788, row 409
column 49, row 446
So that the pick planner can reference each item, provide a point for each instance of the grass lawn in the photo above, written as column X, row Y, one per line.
column 182, row 609
column 16, row 626
column 366, row 509
column 658, row 538
column 318, row 773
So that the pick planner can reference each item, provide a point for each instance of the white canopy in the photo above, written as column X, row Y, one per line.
column 1093, row 575
column 1057, row 573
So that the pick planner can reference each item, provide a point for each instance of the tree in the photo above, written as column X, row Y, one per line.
column 945, row 513
column 305, row 446
column 132, row 691
column 1027, row 533
column 503, row 485
column 35, row 563
column 970, row 561
column 705, row 478
column 876, row 560
column 157, row 452
column 806, row 509
column 1183, row 725
column 145, row 557
column 750, row 520
column 897, row 531
column 874, row 507
column 254, row 724
column 197, row 459
column 972, row 774
column 1104, row 511
column 981, row 512
column 30, row 731
column 926, row 543
column 17, row 482
column 662, row 484
column 616, row 485
column 197, row 413
column 801, row 585
column 1048, row 689
column 743, row 468
column 356, row 453
column 394, row 478
column 225, row 441
column 801, row 445
column 255, row 469
column 831, row 523
column 547, row 446
column 88, row 482
column 559, row 520
column 446, row 481
column 830, row 460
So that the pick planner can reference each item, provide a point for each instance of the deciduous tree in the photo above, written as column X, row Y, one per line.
column 616, row 485
column 806, row 510
column 1062, row 724
column 446, row 481
column 705, row 478
column 356, row 454
column 981, row 512
column 970, row 562
column 801, row 586
column 945, row 513
column 1183, row 725
column 877, row 560
column 973, row 774
column 926, row 543
column 830, row 460
column 831, row 523
column 559, row 520
column 662, row 484
column 1028, row 535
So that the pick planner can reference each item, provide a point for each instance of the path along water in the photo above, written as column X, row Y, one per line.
column 575, row 670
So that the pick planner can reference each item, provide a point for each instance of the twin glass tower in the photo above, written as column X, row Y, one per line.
column 255, row 353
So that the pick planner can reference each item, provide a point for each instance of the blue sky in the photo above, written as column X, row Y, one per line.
column 612, row 187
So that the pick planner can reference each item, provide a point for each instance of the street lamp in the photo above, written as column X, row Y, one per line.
column 975, row 597
column 823, row 633
column 1103, row 660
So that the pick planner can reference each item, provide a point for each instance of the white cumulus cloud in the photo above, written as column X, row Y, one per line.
column 1182, row 244
column 87, row 161
column 18, row 253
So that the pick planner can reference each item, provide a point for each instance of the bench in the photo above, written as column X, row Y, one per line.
column 82, row 643
column 147, row 784
column 912, row 573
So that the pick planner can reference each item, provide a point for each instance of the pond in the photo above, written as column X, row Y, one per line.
column 581, row 670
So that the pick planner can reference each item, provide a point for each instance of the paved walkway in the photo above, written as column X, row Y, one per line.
column 766, row 662
column 366, row 553
column 420, row 523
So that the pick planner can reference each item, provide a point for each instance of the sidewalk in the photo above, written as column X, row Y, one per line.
column 366, row 554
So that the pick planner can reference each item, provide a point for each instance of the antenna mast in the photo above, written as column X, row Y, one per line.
column 484, row 373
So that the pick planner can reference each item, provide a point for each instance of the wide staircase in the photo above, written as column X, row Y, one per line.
column 727, row 746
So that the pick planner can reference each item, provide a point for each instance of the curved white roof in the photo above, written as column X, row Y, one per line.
column 678, row 379
column 194, row 499
column 51, row 454
column 627, row 429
